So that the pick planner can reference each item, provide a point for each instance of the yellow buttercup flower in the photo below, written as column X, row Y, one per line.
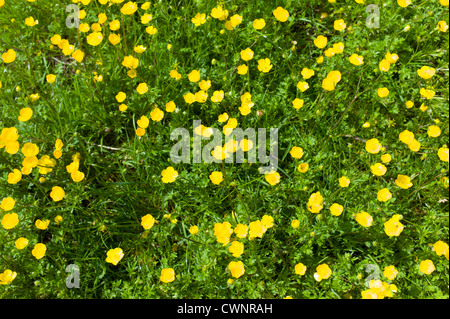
column 406, row 137
column 175, row 75
column 384, row 65
column 242, row 69
column 39, row 251
column 146, row 18
column 426, row 72
column 332, row 79
column 129, row 8
column 142, row 88
column 194, row 76
column 441, row 248
column 404, row 3
column 167, row 275
column 323, row 271
column 338, row 48
column 57, row 193
column 14, row 177
column 443, row 154
column 384, row 195
column 151, row 30
column 77, row 176
column 307, row 73
column 170, row 107
column 204, row 85
column 257, row 229
column 9, row 56
column 403, row 181
column 241, row 230
column 84, row 27
column 390, row 272
column 442, row 26
column 216, row 177
column 236, row 268
column 223, row 117
column 321, row 42
column 223, row 231
column 199, row 19
column 428, row 94
column 10, row 220
column 21, row 243
column 364, row 219
column 298, row 103
column 373, row 146
column 409, row 104
column 114, row 25
column 147, row 221
column 378, row 169
column 219, row 13
column 42, row 224
column 7, row 204
column 156, row 114
column 386, row 158
column 25, row 114
column 193, row 230
column 272, row 178
column 30, row 149
column 58, row 219
column 391, row 58
column 434, row 131
column 78, row 55
column 8, row 275
column 236, row 248
column 383, row 92
column 259, row 24
column 217, row 97
column 296, row 152
column 120, row 97
column 143, row 122
column 281, row 14
column 114, row 38
column 169, row 175
column 300, row 269
column 336, row 209
column 356, row 59
column 50, row 78
column 113, row 256
column 315, row 203
column 94, row 38
column 393, row 227
column 344, row 181
column 339, row 25
column 303, row 167
column 302, row 86
column 247, row 54
column 264, row 65
column 234, row 21
column 427, row 266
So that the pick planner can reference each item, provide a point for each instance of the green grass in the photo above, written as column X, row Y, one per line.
column 123, row 172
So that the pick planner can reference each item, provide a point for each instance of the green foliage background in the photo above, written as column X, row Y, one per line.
column 123, row 172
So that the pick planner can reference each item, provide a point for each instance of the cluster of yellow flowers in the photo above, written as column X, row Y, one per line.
column 9, row 137
column 45, row 165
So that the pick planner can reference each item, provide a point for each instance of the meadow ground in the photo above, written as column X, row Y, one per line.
column 93, row 204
